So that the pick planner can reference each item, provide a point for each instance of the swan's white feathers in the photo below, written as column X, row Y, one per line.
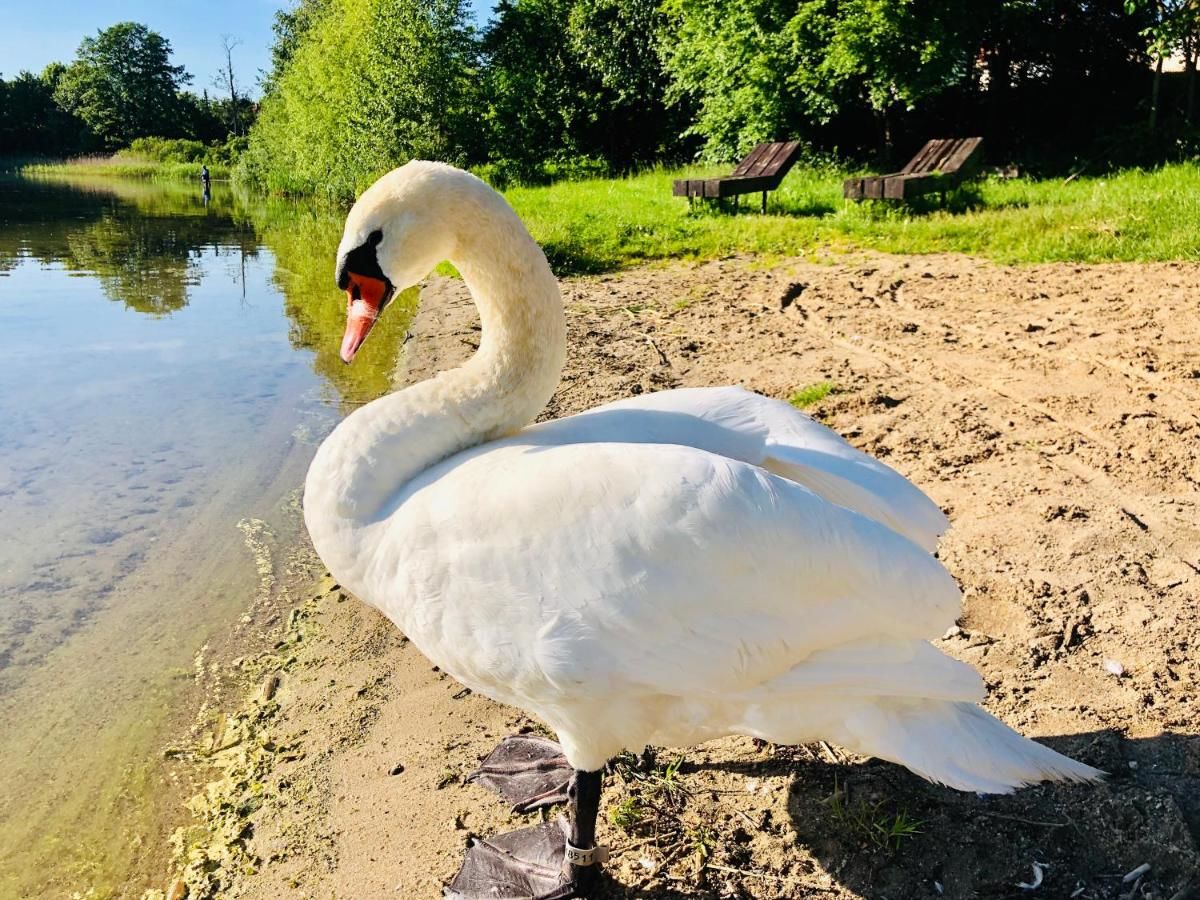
column 956, row 744
column 657, row 570
column 742, row 425
column 875, row 667
column 665, row 569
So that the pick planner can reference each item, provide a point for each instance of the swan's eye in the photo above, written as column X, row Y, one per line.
column 375, row 237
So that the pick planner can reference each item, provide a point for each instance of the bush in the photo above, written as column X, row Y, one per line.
column 177, row 151
column 505, row 173
column 172, row 150
column 229, row 152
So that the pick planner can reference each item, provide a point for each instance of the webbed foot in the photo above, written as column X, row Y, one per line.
column 526, row 770
column 520, row 865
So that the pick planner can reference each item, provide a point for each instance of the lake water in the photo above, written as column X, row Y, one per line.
column 168, row 364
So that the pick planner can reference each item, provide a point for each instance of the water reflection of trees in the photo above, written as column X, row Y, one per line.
column 144, row 242
column 145, row 263
column 304, row 242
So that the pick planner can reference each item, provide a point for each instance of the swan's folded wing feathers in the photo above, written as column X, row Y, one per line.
column 770, row 433
column 710, row 574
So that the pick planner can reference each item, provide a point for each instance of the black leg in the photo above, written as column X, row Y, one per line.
column 584, row 798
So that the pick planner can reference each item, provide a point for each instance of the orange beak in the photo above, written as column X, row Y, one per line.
column 365, row 297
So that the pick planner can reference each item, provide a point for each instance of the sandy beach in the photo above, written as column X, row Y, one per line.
column 1052, row 411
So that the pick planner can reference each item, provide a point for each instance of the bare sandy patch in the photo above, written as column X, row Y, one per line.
column 1053, row 412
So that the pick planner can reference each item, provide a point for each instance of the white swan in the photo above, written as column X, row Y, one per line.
column 661, row 570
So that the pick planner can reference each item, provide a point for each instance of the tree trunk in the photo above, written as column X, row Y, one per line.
column 235, row 118
column 1190, row 104
column 998, row 67
column 233, row 104
column 887, row 132
column 1158, row 67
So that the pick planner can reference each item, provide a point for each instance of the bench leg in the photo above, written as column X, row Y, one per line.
column 764, row 203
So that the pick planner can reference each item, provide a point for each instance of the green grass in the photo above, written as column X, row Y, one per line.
column 604, row 224
column 127, row 165
column 627, row 814
column 869, row 823
column 812, row 394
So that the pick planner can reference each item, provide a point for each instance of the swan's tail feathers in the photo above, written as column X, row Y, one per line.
column 959, row 745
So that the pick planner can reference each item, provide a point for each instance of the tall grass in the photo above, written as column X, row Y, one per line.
column 157, row 158
column 128, row 167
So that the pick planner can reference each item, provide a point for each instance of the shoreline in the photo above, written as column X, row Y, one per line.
column 595, row 226
column 114, row 792
column 340, row 770
column 115, row 166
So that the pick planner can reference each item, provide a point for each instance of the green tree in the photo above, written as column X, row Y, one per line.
column 534, row 86
column 576, row 78
column 893, row 53
column 25, row 105
column 290, row 27
column 31, row 122
column 734, row 61
column 123, row 85
column 1061, row 79
column 1173, row 28
column 616, row 43
column 64, row 132
column 759, row 69
column 204, row 118
column 858, row 73
column 368, row 85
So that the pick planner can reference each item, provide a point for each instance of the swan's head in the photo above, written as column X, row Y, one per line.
column 395, row 234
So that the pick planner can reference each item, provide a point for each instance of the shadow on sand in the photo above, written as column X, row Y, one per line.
column 1084, row 838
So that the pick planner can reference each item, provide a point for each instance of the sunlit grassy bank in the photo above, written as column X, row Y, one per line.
column 602, row 224
column 595, row 225
column 126, row 165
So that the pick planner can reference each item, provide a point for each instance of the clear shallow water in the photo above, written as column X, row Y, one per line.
column 167, row 367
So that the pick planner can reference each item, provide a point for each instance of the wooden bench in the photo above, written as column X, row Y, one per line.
column 762, row 170
column 939, row 166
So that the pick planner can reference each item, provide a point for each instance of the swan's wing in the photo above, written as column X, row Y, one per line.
column 742, row 425
column 641, row 567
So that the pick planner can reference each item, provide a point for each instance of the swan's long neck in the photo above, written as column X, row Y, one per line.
column 377, row 449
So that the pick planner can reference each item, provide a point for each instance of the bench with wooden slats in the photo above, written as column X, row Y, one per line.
column 938, row 166
column 762, row 170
